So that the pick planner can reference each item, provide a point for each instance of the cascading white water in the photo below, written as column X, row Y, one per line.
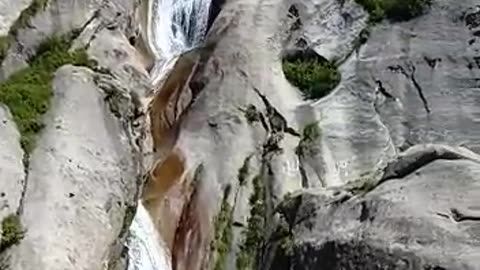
column 145, row 248
column 173, row 27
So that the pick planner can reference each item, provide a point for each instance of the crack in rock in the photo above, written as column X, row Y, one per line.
column 380, row 89
column 411, row 76
column 459, row 216
column 278, row 123
column 419, row 156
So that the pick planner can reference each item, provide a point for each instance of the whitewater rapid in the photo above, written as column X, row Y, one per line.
column 146, row 249
column 173, row 27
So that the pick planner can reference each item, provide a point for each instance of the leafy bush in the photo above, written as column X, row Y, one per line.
column 311, row 133
column 253, row 236
column 27, row 92
column 243, row 171
column 395, row 10
column 314, row 76
column 12, row 232
column 223, row 233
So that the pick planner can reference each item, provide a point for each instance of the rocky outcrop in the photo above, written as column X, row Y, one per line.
column 240, row 171
column 79, row 182
column 76, row 193
column 12, row 170
column 245, row 121
column 9, row 12
column 427, row 219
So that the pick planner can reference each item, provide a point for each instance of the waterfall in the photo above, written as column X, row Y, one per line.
column 145, row 249
column 173, row 27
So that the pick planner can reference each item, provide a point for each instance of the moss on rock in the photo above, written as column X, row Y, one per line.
column 394, row 10
column 223, row 233
column 27, row 92
column 311, row 133
column 12, row 232
column 253, row 236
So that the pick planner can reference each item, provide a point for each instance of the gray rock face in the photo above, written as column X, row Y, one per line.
column 79, row 181
column 65, row 16
column 424, row 214
column 417, row 222
column 430, row 66
column 9, row 11
column 411, row 83
column 12, row 172
column 83, row 181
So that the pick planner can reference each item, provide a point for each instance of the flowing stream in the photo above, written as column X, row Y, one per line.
column 173, row 27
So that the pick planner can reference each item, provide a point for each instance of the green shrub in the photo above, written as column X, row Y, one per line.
column 243, row 171
column 253, row 236
column 12, row 232
column 395, row 10
column 311, row 133
column 27, row 92
column 313, row 76
column 223, row 234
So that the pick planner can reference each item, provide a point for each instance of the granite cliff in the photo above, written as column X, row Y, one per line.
column 256, row 134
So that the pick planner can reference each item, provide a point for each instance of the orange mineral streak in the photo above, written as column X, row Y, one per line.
column 170, row 102
column 164, row 195
column 169, row 195
column 191, row 243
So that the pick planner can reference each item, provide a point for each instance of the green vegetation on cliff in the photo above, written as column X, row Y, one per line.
column 12, row 232
column 20, row 23
column 253, row 236
column 395, row 10
column 223, row 233
column 27, row 92
column 315, row 77
column 243, row 171
column 310, row 134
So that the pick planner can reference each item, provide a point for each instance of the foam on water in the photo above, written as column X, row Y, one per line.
column 146, row 249
column 174, row 27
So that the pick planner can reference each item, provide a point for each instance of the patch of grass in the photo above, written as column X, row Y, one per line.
column 394, row 10
column 27, row 92
column 311, row 133
column 253, row 236
column 12, row 232
column 223, row 233
column 313, row 76
column 20, row 23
